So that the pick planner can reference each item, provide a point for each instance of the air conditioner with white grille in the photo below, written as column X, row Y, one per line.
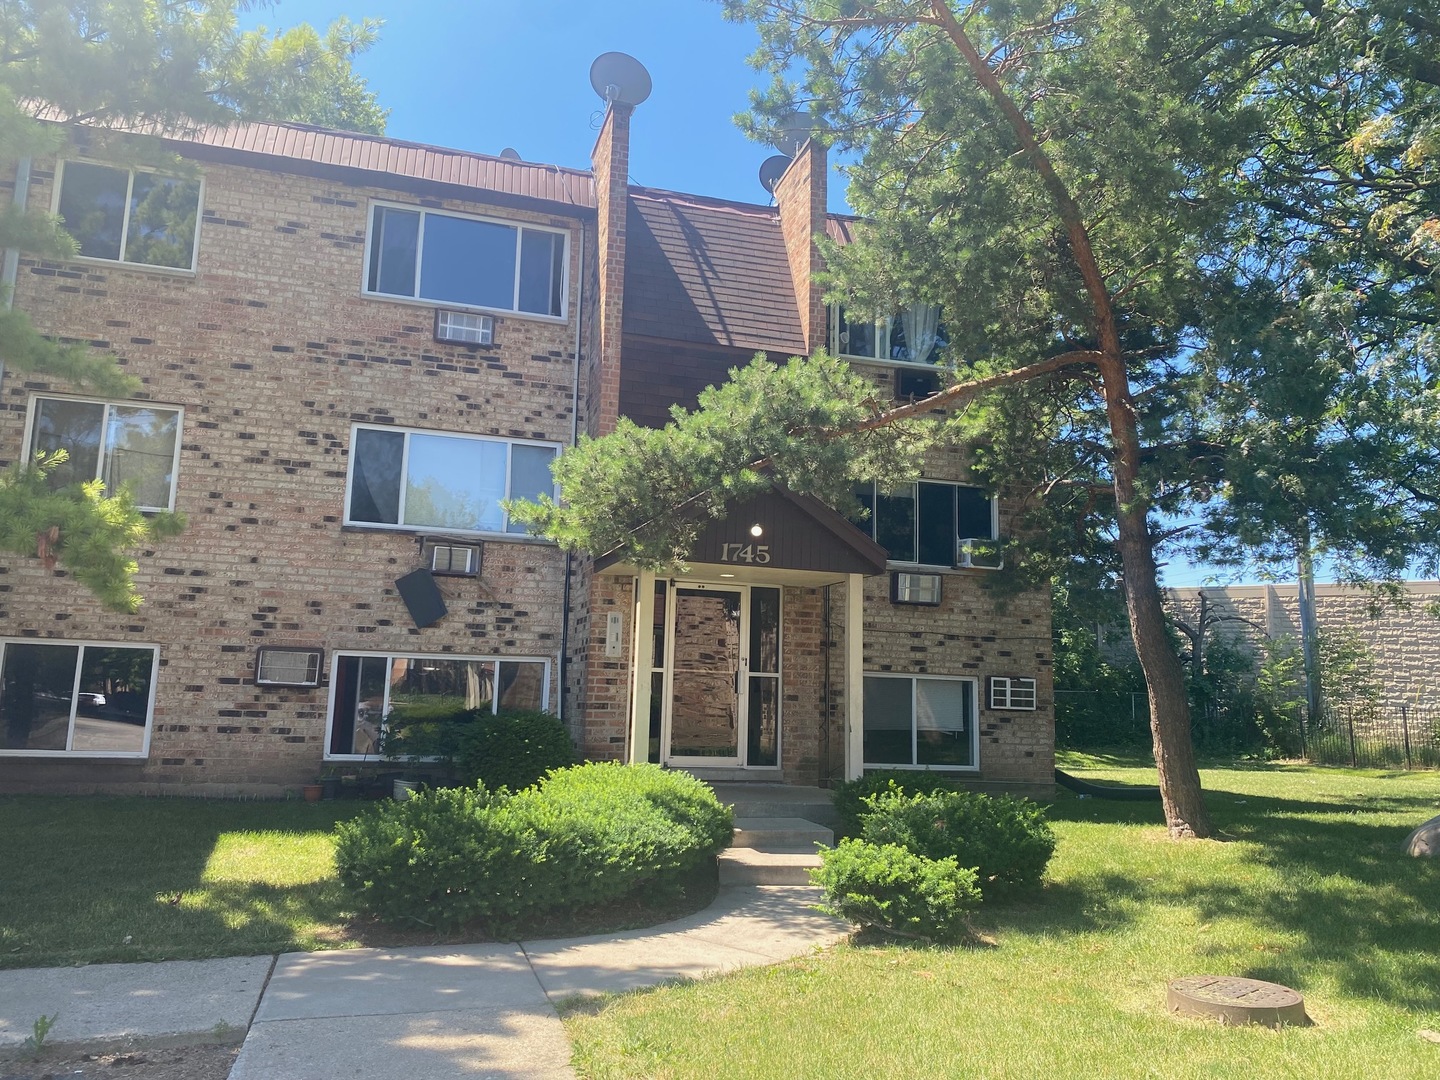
column 286, row 666
column 464, row 328
column 908, row 588
column 456, row 559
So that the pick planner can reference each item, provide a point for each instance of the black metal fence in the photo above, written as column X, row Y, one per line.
column 1395, row 737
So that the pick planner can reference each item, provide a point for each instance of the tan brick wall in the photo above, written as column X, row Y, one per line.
column 272, row 352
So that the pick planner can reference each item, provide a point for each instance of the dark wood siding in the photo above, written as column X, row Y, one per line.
column 657, row 374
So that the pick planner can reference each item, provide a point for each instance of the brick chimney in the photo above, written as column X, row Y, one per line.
column 801, row 195
column 610, row 160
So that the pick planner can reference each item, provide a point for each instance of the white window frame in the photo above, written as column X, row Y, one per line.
column 973, row 719
column 107, row 403
column 871, row 527
column 443, row 530
column 67, row 753
column 416, row 298
column 883, row 328
column 184, row 271
column 495, row 661
column 1007, row 690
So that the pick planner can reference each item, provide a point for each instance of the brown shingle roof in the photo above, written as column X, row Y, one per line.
column 393, row 157
column 708, row 271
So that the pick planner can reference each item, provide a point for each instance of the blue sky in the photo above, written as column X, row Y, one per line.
column 490, row 74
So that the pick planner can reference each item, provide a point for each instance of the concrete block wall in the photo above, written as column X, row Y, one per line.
column 273, row 353
column 1404, row 638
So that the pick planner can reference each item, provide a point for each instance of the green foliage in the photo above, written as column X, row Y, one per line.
column 513, row 749
column 1006, row 840
column 1096, row 693
column 1280, row 697
column 651, row 491
column 85, row 529
column 886, row 886
column 585, row 837
column 39, row 1032
column 852, row 797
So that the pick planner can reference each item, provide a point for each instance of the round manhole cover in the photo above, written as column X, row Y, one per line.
column 1237, row 1001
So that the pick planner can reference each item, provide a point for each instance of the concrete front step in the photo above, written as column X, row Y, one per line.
column 748, row 866
column 781, row 833
column 778, row 800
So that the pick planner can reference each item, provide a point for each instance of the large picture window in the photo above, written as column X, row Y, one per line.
column 467, row 261
column 450, row 483
column 917, row 721
column 368, row 689
column 122, row 444
column 933, row 523
column 914, row 336
column 72, row 698
column 129, row 215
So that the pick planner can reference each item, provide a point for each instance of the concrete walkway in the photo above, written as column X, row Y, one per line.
column 449, row 1011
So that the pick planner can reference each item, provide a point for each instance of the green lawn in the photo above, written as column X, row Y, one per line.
column 109, row 879
column 99, row 880
column 1309, row 889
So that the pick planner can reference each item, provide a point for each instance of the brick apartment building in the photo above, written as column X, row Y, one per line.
column 351, row 349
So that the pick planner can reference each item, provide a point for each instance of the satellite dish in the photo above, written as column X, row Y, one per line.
column 619, row 77
column 792, row 131
column 771, row 169
column 509, row 154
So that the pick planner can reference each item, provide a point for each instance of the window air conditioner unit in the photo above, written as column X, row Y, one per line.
column 459, row 560
column 464, row 328
column 1010, row 693
column 907, row 588
column 283, row 666
column 978, row 553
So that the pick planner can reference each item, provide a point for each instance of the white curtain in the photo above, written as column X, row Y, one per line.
column 920, row 323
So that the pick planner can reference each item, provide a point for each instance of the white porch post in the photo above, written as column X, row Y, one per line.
column 642, row 660
column 854, row 676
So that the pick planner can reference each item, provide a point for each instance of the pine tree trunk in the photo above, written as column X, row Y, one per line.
column 1186, row 815
column 1185, row 811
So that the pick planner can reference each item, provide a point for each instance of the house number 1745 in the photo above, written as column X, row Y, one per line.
column 746, row 553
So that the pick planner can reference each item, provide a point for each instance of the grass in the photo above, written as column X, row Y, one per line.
column 111, row 879
column 1308, row 888
column 100, row 880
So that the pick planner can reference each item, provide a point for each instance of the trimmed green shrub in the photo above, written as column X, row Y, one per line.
column 442, row 857
column 1006, row 840
column 886, row 886
column 512, row 749
column 850, row 795
column 584, row 837
column 425, row 732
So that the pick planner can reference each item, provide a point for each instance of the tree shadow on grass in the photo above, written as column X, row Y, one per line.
column 1342, row 899
column 123, row 879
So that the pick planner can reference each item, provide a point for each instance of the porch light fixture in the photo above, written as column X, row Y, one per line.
column 727, row 575
column 757, row 529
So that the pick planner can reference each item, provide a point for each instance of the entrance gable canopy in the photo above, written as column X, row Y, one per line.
column 780, row 531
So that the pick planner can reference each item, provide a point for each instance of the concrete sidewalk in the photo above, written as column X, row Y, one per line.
column 461, row 1011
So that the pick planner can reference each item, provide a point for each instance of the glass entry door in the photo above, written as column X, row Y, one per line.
column 722, row 677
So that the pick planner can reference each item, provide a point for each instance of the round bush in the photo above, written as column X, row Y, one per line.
column 887, row 886
column 584, row 837
column 1006, row 840
column 512, row 749
column 850, row 796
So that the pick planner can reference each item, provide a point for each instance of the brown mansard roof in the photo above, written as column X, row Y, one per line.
column 710, row 272
column 397, row 158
